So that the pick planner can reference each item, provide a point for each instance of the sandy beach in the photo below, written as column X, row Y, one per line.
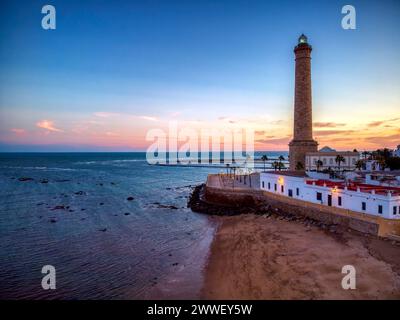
column 267, row 257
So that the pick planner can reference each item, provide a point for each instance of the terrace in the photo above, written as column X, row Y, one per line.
column 355, row 186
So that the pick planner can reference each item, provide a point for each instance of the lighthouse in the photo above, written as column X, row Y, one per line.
column 303, row 141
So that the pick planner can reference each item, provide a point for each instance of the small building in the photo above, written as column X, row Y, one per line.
column 326, row 159
column 396, row 152
column 375, row 200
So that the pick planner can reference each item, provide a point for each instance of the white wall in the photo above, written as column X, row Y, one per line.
column 351, row 200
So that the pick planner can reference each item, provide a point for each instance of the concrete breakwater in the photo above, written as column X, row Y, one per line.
column 217, row 199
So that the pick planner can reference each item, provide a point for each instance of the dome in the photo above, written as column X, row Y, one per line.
column 302, row 39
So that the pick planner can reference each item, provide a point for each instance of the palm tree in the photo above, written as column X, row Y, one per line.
column 281, row 158
column 359, row 164
column 275, row 165
column 319, row 164
column 365, row 154
column 299, row 166
column 264, row 158
column 339, row 159
column 281, row 166
column 227, row 168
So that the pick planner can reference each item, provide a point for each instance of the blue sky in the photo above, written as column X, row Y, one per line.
column 192, row 60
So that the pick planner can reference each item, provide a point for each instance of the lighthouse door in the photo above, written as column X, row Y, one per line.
column 329, row 200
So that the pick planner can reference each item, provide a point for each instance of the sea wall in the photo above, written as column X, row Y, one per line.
column 245, row 197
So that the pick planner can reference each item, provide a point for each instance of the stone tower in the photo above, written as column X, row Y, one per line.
column 303, row 141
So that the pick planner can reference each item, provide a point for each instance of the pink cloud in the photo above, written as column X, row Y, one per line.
column 149, row 118
column 18, row 131
column 47, row 125
column 105, row 114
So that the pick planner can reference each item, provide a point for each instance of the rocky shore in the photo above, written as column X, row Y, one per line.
column 198, row 204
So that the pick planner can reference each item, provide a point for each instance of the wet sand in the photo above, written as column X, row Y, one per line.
column 260, row 257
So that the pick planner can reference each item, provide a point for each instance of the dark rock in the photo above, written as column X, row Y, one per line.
column 44, row 181
column 25, row 179
column 62, row 180
column 80, row 193
column 59, row 208
column 127, row 213
column 130, row 198
column 101, row 203
column 53, row 220
column 103, row 229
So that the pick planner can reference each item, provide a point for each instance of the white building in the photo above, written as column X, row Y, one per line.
column 396, row 152
column 327, row 158
column 365, row 198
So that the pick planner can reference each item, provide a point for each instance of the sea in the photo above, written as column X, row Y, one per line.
column 111, row 225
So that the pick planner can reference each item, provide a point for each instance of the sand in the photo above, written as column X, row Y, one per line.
column 258, row 257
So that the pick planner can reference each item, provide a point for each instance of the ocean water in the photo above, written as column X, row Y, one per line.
column 72, row 212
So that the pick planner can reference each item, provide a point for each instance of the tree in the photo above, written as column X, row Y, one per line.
column 355, row 150
column 299, row 166
column 393, row 163
column 280, row 164
column 359, row 164
column 319, row 164
column 264, row 158
column 275, row 165
column 339, row 159
column 365, row 154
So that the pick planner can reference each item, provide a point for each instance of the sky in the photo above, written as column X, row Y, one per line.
column 113, row 70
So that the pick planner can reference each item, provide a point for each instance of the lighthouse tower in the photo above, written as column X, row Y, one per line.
column 303, row 141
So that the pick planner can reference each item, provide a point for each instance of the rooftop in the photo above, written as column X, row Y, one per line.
column 300, row 174
column 353, row 186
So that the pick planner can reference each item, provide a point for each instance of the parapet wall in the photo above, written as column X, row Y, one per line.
column 239, row 197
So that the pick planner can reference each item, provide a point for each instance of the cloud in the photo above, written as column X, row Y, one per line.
column 47, row 125
column 378, row 123
column 384, row 140
column 375, row 124
column 331, row 132
column 18, row 131
column 328, row 124
column 275, row 141
column 105, row 114
column 149, row 118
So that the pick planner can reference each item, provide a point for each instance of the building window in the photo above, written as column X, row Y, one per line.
column 330, row 161
column 319, row 196
column 282, row 189
column 269, row 185
column 275, row 187
column 290, row 191
column 380, row 209
column 297, row 191
column 363, row 206
column 339, row 201
column 263, row 184
column 394, row 210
